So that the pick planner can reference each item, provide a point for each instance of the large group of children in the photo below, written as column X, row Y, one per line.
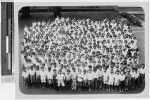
column 81, row 55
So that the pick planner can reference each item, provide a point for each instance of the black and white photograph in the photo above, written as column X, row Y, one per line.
column 81, row 49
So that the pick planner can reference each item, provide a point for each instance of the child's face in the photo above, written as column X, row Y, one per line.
column 122, row 73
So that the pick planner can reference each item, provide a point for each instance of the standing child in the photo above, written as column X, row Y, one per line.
column 105, row 79
column 32, row 74
column 122, row 81
column 74, row 80
column 43, row 77
column 84, row 80
column 90, row 78
column 25, row 75
column 101, row 77
column 128, row 80
column 111, row 81
column 80, row 80
column 142, row 75
column 50, row 76
column 133, row 78
column 95, row 78
column 38, row 77
column 68, row 80
column 136, row 78
column 54, row 79
column 60, row 81
column 116, row 80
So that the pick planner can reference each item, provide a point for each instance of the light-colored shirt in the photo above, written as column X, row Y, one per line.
column 136, row 75
column 141, row 71
column 42, row 74
column 90, row 76
column 37, row 73
column 50, row 75
column 32, row 72
column 68, row 76
column 95, row 75
column 111, row 78
column 122, row 77
column 60, row 77
column 74, row 75
column 133, row 74
column 84, row 77
column 80, row 77
column 25, row 74
column 105, row 76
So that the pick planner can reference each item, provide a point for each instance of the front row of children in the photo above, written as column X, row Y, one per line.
column 100, row 78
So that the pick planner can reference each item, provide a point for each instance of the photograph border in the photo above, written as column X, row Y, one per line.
column 19, row 5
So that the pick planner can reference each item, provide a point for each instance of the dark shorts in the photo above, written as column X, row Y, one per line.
column 38, row 79
column 122, row 84
column 68, row 82
column 89, row 82
column 80, row 83
column 26, row 80
column 85, row 83
column 95, row 81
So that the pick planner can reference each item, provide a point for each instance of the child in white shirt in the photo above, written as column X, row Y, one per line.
column 111, row 81
column 38, row 79
column 137, row 75
column 32, row 75
column 116, row 81
column 105, row 80
column 43, row 77
column 95, row 79
column 60, row 81
column 50, row 76
column 68, row 80
column 25, row 75
column 122, row 81
column 90, row 79
column 84, row 80
column 80, row 80
column 142, row 75
column 74, row 80
column 133, row 78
